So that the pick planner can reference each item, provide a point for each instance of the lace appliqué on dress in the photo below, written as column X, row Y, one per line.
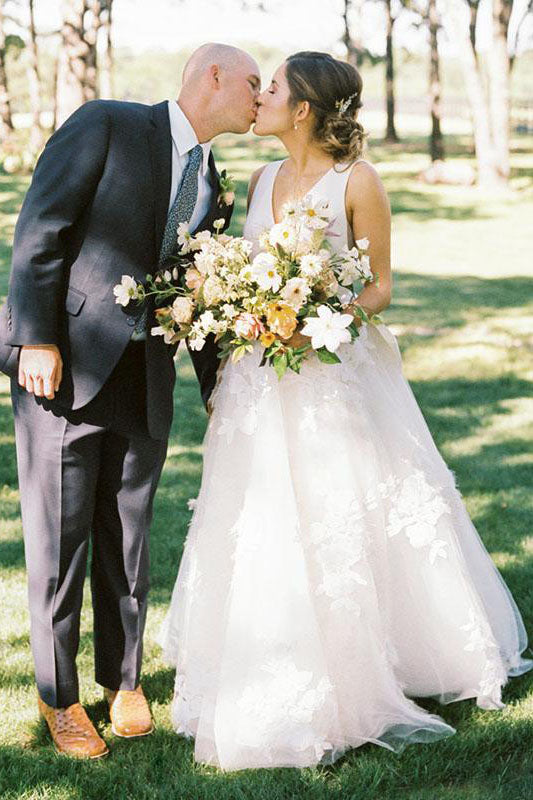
column 248, row 386
column 338, row 547
column 283, row 703
column 416, row 508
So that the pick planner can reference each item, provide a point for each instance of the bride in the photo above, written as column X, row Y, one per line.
column 331, row 571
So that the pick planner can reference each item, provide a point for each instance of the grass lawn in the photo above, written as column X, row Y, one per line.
column 463, row 312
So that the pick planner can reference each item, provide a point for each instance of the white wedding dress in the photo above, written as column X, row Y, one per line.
column 331, row 570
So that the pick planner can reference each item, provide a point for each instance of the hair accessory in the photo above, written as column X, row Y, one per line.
column 343, row 105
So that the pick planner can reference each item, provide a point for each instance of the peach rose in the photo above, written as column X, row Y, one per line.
column 248, row 326
column 194, row 279
column 281, row 319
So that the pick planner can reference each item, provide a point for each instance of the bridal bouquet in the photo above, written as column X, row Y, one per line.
column 296, row 282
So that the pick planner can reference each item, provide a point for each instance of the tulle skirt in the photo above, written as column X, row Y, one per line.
column 331, row 571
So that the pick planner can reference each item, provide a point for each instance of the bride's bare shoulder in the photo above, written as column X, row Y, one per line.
column 365, row 185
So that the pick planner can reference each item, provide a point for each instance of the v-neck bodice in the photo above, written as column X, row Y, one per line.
column 331, row 187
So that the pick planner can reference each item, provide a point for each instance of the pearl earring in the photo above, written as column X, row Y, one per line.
column 295, row 127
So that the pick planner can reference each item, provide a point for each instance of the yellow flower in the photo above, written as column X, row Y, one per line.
column 267, row 338
column 281, row 319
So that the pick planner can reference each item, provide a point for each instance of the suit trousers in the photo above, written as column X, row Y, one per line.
column 93, row 471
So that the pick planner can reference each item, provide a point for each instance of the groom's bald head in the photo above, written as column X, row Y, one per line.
column 212, row 54
column 220, row 87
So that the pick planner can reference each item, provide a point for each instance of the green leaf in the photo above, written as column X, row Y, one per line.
column 280, row 364
column 326, row 357
column 354, row 330
column 361, row 313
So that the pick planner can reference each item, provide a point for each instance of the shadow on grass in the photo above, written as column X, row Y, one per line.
column 162, row 766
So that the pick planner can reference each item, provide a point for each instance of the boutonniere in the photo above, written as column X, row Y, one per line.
column 227, row 189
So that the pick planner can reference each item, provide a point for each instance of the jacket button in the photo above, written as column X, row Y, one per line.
column 131, row 322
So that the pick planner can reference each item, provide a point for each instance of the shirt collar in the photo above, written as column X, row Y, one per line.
column 183, row 134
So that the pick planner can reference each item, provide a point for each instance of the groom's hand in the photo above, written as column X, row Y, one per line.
column 40, row 369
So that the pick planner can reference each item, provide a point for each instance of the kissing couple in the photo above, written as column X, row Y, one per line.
column 331, row 572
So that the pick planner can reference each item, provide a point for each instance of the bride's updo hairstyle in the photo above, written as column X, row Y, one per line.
column 333, row 90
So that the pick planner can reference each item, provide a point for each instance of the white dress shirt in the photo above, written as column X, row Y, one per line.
column 183, row 141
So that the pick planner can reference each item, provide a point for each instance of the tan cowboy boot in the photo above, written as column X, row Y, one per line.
column 72, row 731
column 129, row 712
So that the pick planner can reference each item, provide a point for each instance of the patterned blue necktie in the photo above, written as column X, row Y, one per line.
column 181, row 211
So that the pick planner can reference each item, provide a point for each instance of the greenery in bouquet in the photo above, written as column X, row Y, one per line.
column 296, row 282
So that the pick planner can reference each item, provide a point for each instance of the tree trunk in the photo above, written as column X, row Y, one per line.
column 390, row 135
column 353, row 43
column 488, row 173
column 77, row 63
column 500, row 92
column 6, row 122
column 35, row 86
column 106, row 68
column 436, row 142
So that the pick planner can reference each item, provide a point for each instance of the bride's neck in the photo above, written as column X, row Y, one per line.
column 305, row 158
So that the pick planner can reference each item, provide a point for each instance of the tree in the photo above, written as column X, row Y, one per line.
column 491, row 109
column 34, row 81
column 353, row 42
column 464, row 34
column 106, row 67
column 390, row 134
column 436, row 142
column 6, row 121
column 77, row 69
column 500, row 84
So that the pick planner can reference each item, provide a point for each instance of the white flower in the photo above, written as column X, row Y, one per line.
column 229, row 311
column 199, row 239
column 308, row 240
column 362, row 244
column 348, row 273
column 264, row 272
column 365, row 267
column 126, row 290
column 196, row 342
column 184, row 237
column 283, row 234
column 212, row 291
column 329, row 329
column 204, row 262
column 219, row 223
column 167, row 335
column 182, row 310
column 246, row 274
column 288, row 209
column 315, row 212
column 167, row 275
column 264, row 240
column 311, row 265
column 295, row 292
column 207, row 322
column 345, row 296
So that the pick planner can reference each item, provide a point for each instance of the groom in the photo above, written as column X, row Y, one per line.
column 91, row 388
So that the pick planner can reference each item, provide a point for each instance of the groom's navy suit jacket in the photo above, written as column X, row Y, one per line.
column 96, row 210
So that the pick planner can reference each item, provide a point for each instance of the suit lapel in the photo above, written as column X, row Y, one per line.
column 161, row 156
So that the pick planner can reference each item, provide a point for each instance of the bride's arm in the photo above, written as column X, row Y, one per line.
column 368, row 208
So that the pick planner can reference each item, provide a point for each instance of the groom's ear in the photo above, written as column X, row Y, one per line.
column 214, row 74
